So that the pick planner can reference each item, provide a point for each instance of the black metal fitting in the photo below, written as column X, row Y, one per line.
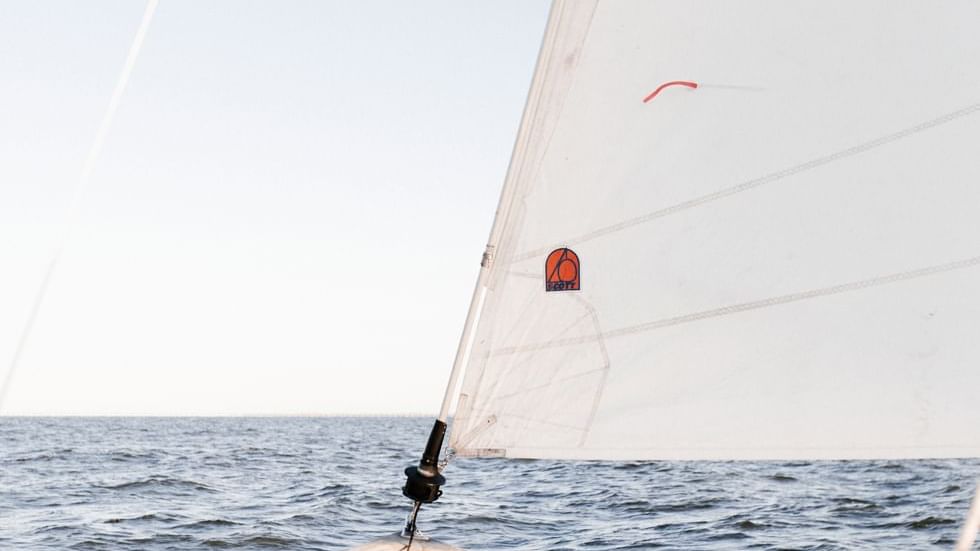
column 421, row 488
column 422, row 483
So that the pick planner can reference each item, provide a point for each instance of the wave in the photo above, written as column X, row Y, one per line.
column 159, row 482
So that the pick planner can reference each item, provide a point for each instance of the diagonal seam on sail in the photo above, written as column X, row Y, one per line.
column 601, row 387
column 755, row 182
column 602, row 370
column 747, row 306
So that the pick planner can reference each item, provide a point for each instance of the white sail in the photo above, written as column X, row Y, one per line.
column 778, row 256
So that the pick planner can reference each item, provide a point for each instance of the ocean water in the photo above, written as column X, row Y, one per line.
column 329, row 483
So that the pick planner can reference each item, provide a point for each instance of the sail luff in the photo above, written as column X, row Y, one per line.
column 567, row 25
column 505, row 203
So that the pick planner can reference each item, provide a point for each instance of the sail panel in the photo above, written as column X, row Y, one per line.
column 783, row 262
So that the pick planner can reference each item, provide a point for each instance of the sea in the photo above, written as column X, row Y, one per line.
column 329, row 483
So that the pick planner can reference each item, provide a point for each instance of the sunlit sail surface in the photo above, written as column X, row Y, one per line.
column 774, row 212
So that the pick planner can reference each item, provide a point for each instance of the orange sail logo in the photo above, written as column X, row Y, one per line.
column 562, row 271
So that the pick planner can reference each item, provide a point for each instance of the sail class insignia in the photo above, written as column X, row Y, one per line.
column 562, row 271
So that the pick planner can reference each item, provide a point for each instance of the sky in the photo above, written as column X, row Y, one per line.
column 288, row 213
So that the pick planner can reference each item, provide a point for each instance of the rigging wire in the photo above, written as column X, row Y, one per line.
column 411, row 526
column 75, row 206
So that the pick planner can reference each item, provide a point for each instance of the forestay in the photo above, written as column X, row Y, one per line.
column 783, row 262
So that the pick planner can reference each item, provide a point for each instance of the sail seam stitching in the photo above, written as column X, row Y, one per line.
column 528, row 390
column 757, row 182
column 601, row 388
column 747, row 306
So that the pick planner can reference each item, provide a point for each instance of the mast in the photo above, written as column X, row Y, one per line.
column 423, row 482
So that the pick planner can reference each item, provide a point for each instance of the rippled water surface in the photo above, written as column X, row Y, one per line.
column 328, row 483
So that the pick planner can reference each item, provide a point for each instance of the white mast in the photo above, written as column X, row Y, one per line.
column 556, row 34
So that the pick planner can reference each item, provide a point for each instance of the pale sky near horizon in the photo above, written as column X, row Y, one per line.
column 289, row 211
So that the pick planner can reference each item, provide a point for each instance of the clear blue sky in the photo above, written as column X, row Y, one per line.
column 289, row 211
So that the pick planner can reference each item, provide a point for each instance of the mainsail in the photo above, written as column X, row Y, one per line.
column 774, row 212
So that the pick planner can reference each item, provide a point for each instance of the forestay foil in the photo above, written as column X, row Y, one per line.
column 781, row 263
